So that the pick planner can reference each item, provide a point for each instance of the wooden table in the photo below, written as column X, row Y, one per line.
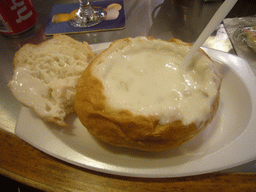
column 25, row 164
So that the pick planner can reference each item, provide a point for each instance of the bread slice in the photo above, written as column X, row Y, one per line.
column 107, row 106
column 45, row 76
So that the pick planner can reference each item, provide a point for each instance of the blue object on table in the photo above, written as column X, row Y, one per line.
column 67, row 28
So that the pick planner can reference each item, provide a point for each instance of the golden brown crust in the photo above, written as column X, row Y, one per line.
column 122, row 128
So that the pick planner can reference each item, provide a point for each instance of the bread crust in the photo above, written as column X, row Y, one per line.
column 122, row 128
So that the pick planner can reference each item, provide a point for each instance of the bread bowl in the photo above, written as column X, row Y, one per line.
column 136, row 94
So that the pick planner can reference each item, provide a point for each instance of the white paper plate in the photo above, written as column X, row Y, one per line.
column 230, row 139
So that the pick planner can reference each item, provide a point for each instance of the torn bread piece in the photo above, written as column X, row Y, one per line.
column 46, row 75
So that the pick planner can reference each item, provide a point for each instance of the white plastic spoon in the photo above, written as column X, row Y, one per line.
column 209, row 29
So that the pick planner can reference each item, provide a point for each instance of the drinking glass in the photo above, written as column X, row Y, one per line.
column 87, row 16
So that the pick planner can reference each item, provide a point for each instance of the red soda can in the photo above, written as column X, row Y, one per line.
column 16, row 16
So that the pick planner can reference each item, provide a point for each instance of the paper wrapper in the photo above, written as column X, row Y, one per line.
column 238, row 29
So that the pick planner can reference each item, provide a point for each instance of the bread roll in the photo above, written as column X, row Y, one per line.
column 136, row 94
column 45, row 76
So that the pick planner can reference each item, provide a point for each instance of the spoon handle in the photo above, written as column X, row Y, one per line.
column 218, row 17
